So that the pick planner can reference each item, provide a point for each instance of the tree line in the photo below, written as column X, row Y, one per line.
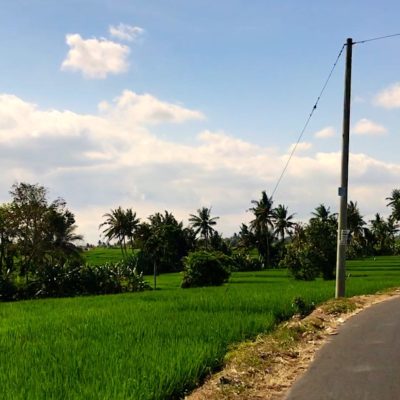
column 40, row 253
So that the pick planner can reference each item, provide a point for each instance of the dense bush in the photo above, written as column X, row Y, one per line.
column 203, row 268
column 69, row 280
column 245, row 262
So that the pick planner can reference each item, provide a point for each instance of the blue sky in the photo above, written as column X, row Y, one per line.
column 192, row 103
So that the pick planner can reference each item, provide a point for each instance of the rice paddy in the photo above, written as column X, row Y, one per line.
column 152, row 345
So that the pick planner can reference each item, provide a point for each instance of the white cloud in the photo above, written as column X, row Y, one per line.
column 366, row 127
column 324, row 133
column 97, row 162
column 95, row 58
column 125, row 32
column 20, row 120
column 389, row 97
column 132, row 107
column 300, row 147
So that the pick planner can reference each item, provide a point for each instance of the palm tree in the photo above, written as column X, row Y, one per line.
column 203, row 223
column 379, row 229
column 322, row 213
column 355, row 221
column 262, row 223
column 246, row 237
column 283, row 221
column 115, row 227
column 131, row 224
column 62, row 236
column 395, row 203
column 356, row 227
column 392, row 229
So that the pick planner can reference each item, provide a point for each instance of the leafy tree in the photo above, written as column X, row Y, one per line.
column 35, row 232
column 29, row 208
column 163, row 242
column 203, row 223
column 312, row 251
column 7, row 247
column 322, row 236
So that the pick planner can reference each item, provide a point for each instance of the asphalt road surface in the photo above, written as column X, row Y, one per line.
column 362, row 362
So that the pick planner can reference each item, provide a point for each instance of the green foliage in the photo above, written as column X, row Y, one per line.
column 156, row 344
column 312, row 251
column 163, row 242
column 302, row 261
column 55, row 280
column 242, row 261
column 35, row 233
column 203, row 268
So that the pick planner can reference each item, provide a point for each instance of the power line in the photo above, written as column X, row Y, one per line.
column 318, row 99
column 376, row 38
column 308, row 120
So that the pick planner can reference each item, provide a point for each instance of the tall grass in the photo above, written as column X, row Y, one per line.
column 151, row 345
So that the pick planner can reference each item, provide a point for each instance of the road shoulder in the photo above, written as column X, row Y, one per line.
column 267, row 367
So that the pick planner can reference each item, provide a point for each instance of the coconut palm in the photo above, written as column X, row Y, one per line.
column 283, row 222
column 395, row 203
column 203, row 223
column 392, row 229
column 263, row 224
column 246, row 237
column 380, row 230
column 131, row 224
column 322, row 213
column 355, row 221
column 115, row 224
column 62, row 237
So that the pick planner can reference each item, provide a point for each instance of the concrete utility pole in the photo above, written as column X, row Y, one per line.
column 342, row 221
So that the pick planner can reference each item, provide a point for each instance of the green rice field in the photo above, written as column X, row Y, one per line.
column 102, row 255
column 156, row 344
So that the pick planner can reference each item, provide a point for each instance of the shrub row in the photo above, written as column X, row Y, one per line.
column 66, row 280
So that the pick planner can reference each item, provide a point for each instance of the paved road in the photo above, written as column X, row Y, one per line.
column 361, row 363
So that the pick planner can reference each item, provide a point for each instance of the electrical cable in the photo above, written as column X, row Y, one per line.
column 307, row 121
column 376, row 38
column 318, row 99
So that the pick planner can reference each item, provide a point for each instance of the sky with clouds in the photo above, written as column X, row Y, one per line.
column 176, row 105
